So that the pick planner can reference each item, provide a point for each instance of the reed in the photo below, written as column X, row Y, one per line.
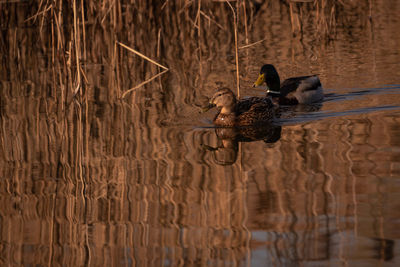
column 67, row 30
column 165, row 69
column 235, row 29
column 326, row 15
column 66, row 17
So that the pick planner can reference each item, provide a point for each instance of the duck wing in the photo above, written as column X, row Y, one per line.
column 261, row 110
column 302, row 84
column 246, row 104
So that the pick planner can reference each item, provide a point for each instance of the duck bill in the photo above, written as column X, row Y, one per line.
column 208, row 107
column 260, row 80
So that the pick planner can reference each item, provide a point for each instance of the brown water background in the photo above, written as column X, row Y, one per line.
column 91, row 178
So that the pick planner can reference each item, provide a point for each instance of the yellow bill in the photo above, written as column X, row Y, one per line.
column 260, row 80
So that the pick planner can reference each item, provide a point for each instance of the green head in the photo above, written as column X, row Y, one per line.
column 269, row 75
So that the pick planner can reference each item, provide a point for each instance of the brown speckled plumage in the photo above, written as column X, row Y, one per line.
column 246, row 112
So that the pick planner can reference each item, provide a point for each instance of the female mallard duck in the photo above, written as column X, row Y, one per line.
column 250, row 111
column 296, row 90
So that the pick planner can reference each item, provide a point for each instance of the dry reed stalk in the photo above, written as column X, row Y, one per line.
column 83, row 31
column 210, row 19
column 158, row 51
column 68, row 67
column 245, row 23
column 148, row 59
column 82, row 139
column 295, row 17
column 60, row 42
column 184, row 8
column 60, row 46
column 291, row 16
column 53, row 48
column 107, row 12
column 38, row 13
column 194, row 23
column 198, row 22
column 141, row 55
column 252, row 44
column 143, row 83
column 83, row 71
column 116, row 68
column 77, row 48
column 236, row 49
column 165, row 3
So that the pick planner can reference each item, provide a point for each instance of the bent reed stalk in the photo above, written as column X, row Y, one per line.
column 148, row 59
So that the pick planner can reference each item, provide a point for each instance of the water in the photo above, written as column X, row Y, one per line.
column 92, row 179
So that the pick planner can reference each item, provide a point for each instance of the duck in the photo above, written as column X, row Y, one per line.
column 235, row 113
column 293, row 91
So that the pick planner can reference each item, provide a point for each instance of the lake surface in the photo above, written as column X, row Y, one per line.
column 91, row 176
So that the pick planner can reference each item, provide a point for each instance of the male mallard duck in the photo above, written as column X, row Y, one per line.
column 246, row 112
column 296, row 90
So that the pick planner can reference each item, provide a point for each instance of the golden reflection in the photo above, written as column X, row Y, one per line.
column 92, row 179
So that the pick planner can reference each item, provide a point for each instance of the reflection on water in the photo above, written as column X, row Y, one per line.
column 226, row 152
column 93, row 179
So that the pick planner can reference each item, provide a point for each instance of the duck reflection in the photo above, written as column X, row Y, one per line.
column 283, row 112
column 228, row 141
